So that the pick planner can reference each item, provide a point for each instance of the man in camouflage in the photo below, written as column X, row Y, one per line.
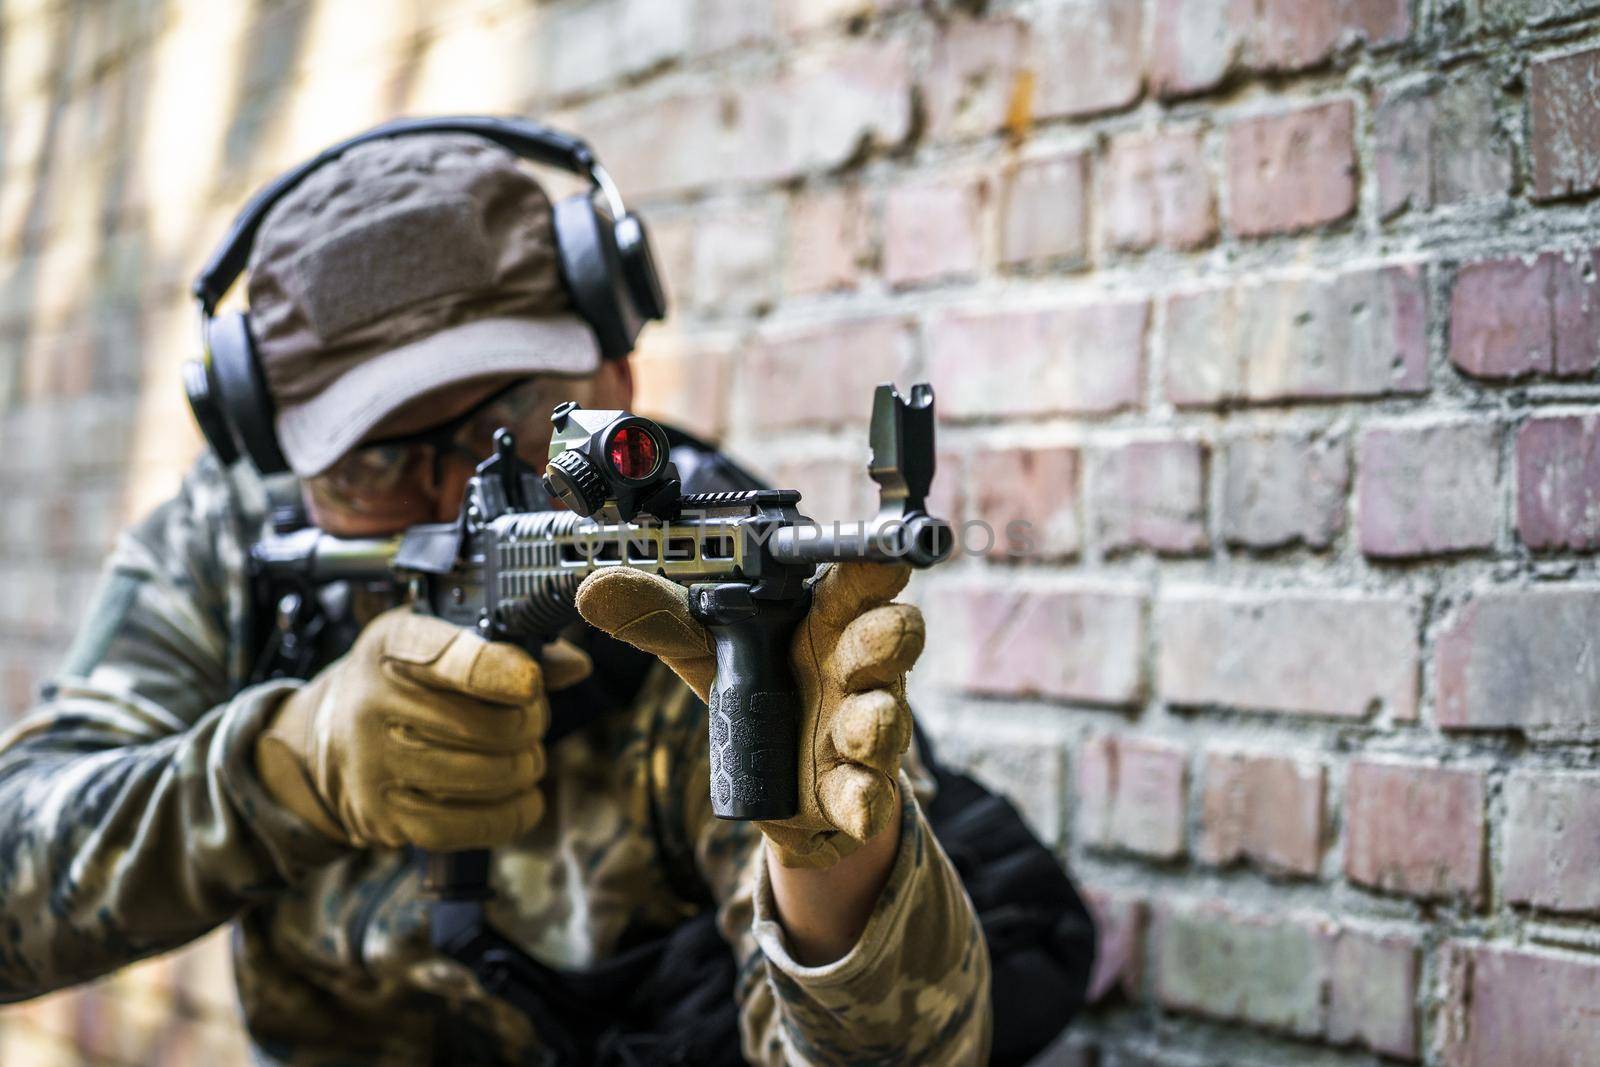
column 157, row 792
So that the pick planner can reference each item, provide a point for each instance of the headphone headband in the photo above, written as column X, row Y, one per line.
column 603, row 254
column 529, row 140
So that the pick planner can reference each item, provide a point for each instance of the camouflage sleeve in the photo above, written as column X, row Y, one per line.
column 130, row 817
column 899, row 996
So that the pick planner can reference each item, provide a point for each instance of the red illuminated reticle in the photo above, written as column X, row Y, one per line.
column 634, row 453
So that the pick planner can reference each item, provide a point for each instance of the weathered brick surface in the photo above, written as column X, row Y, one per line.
column 1265, row 809
column 1201, row 42
column 1550, row 859
column 1267, row 651
column 829, row 241
column 979, row 80
column 1065, row 644
column 1292, row 171
column 1151, row 494
column 1373, row 994
column 1156, row 189
column 1515, row 317
column 932, row 232
column 1524, row 1006
column 1558, row 483
column 1284, row 489
column 1087, row 57
column 1415, row 829
column 1028, row 497
column 1562, row 91
column 1521, row 659
column 1131, row 794
column 1359, row 334
column 1044, row 212
column 1427, row 490
column 1438, row 145
column 823, row 375
column 1271, row 971
column 987, row 363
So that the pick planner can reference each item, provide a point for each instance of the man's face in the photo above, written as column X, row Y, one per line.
column 402, row 475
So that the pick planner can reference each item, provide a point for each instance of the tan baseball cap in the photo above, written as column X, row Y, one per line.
column 406, row 265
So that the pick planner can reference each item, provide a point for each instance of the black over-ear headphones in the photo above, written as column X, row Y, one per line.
column 605, row 259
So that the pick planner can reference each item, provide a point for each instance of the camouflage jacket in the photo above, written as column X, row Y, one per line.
column 131, row 821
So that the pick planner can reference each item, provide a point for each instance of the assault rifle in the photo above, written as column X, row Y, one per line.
column 512, row 572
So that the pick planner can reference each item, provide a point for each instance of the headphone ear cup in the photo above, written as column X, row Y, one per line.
column 241, row 392
column 200, row 389
column 592, row 268
column 639, row 268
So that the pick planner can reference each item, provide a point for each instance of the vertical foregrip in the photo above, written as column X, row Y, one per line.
column 754, row 705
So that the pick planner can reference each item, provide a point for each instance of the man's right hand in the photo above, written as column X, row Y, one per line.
column 422, row 734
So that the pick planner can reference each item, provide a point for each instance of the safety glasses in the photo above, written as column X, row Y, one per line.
column 401, row 477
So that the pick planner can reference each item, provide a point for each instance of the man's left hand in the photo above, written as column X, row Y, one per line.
column 850, row 657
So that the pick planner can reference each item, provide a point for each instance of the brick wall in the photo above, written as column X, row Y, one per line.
column 1275, row 319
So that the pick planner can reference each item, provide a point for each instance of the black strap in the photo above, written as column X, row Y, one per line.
column 530, row 140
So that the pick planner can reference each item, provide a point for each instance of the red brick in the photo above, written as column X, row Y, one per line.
column 838, row 101
column 979, row 81
column 1352, row 335
column 1403, row 159
column 805, row 18
column 1157, row 190
column 1131, row 795
column 588, row 46
column 987, row 363
column 1076, row 643
column 821, row 376
column 1373, row 995
column 1415, row 829
column 933, row 232
column 1514, row 317
column 1087, row 57
column 829, row 241
column 1284, row 489
column 1150, row 494
column 1033, row 486
column 684, row 380
column 1268, row 970
column 1521, row 659
column 1439, row 145
column 1549, row 860
column 691, row 139
column 835, row 489
column 1564, row 141
column 1119, row 920
column 1428, row 490
column 1270, row 651
column 1044, row 209
column 1026, row 767
column 1558, row 482
column 735, row 259
column 1500, row 318
column 1575, row 312
column 1294, row 34
column 1292, row 171
column 1264, row 809
column 1520, row 1006
column 1197, row 44
column 724, row 24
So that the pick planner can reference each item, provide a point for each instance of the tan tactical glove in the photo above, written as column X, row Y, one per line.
column 850, row 656
column 423, row 734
